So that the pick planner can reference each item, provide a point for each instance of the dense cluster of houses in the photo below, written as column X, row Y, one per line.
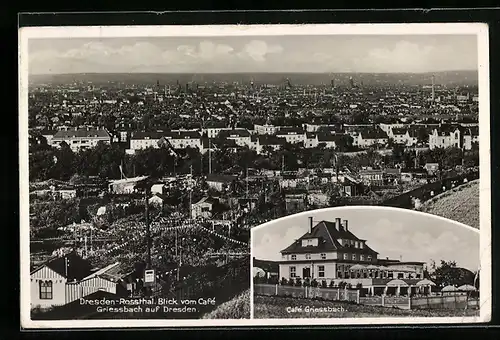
column 270, row 137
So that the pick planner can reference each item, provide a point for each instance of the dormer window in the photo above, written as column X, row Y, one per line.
column 294, row 257
column 310, row 242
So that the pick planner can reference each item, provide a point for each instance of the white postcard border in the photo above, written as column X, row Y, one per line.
column 479, row 29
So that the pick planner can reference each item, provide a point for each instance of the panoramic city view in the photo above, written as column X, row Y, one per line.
column 150, row 159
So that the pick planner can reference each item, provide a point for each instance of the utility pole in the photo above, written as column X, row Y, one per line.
column 209, row 156
column 148, row 235
column 85, row 246
column 190, row 194
column 246, row 180
column 176, row 253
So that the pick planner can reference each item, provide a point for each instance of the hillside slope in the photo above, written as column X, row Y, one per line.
column 237, row 308
column 460, row 204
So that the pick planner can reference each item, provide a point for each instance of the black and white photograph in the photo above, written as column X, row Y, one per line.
column 149, row 154
column 365, row 262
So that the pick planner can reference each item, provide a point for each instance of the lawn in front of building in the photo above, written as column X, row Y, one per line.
column 271, row 307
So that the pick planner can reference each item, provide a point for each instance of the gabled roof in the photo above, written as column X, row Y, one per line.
column 234, row 133
column 146, row 134
column 71, row 266
column 323, row 137
column 290, row 130
column 373, row 134
column 447, row 129
column 82, row 133
column 472, row 131
column 271, row 140
column 209, row 200
column 328, row 236
column 182, row 134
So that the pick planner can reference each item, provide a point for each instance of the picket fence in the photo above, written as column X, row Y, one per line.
column 333, row 294
column 338, row 294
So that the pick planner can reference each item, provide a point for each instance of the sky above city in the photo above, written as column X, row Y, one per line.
column 329, row 53
column 394, row 233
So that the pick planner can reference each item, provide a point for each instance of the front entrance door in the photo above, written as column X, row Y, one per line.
column 306, row 272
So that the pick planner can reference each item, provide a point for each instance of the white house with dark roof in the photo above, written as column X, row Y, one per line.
column 219, row 182
column 184, row 139
column 265, row 129
column 240, row 136
column 145, row 139
column 328, row 140
column 272, row 142
column 400, row 135
column 445, row 136
column 371, row 136
column 65, row 279
column 204, row 208
column 470, row 136
column 329, row 251
column 214, row 129
column 81, row 138
column 292, row 135
column 49, row 282
column 311, row 140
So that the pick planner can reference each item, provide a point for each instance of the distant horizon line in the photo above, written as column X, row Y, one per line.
column 251, row 72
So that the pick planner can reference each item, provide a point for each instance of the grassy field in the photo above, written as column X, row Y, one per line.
column 269, row 307
column 460, row 204
column 237, row 308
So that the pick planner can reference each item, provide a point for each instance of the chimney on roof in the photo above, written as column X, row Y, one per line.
column 337, row 224
column 346, row 225
column 387, row 258
column 310, row 224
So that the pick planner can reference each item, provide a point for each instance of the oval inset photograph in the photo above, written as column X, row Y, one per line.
column 365, row 262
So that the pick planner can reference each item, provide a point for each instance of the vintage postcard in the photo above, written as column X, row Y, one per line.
column 241, row 174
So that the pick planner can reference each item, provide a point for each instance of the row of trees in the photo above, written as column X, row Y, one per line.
column 105, row 160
